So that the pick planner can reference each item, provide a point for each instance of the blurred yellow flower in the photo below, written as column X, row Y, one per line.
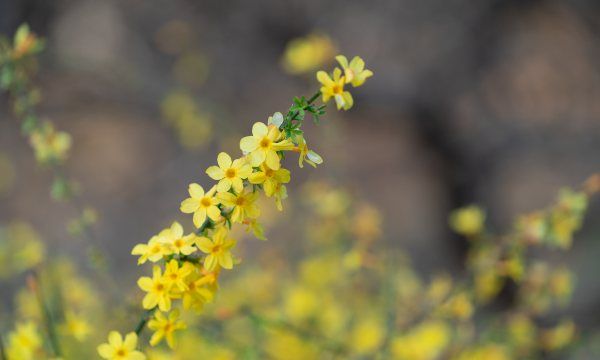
column 164, row 327
column 367, row 335
column 175, row 275
column 559, row 336
column 307, row 53
column 50, row 145
column 467, row 221
column 118, row 348
column 24, row 343
column 427, row 341
column 76, row 326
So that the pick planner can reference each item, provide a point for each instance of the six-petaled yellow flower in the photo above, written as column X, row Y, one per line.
column 199, row 291
column 218, row 250
column 230, row 174
column 263, row 144
column 164, row 327
column 119, row 349
column 201, row 204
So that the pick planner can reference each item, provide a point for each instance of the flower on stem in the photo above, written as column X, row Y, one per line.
column 197, row 293
column 229, row 173
column 164, row 327
column 243, row 204
column 175, row 275
column 157, row 289
column 269, row 178
column 154, row 250
column 263, row 145
column 119, row 349
column 307, row 155
column 334, row 88
column 201, row 204
column 354, row 72
column 179, row 244
column 218, row 250
column 24, row 342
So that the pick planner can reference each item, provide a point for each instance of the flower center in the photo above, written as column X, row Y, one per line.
column 178, row 243
column 216, row 249
column 240, row 201
column 155, row 249
column 121, row 352
column 269, row 172
column 205, row 202
column 230, row 173
column 337, row 89
column 173, row 276
column 159, row 287
column 265, row 143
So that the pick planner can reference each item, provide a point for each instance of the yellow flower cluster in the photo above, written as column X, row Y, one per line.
column 193, row 262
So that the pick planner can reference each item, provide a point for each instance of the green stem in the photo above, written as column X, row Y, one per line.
column 143, row 321
column 48, row 319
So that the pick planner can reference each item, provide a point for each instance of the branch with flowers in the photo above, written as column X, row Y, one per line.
column 186, row 267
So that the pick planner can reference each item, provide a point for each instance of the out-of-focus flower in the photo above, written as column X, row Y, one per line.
column 25, row 342
column 77, row 326
column 164, row 327
column 367, row 335
column 559, row 336
column 426, row 341
column 118, row 348
column 308, row 53
column 49, row 144
column 467, row 221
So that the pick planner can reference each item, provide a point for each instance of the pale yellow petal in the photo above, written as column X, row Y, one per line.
column 224, row 160
column 259, row 130
column 215, row 172
column 196, row 191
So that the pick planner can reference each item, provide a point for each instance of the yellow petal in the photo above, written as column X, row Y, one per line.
column 189, row 205
column 248, row 144
column 224, row 160
column 259, row 130
column 130, row 341
column 196, row 191
column 199, row 217
column 272, row 160
column 224, row 185
column 115, row 339
column 215, row 172
column 105, row 350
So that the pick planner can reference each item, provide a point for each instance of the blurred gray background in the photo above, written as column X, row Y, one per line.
column 492, row 102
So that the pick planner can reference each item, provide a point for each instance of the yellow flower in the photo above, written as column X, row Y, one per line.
column 119, row 349
column 153, row 251
column 229, row 174
column 368, row 335
column 201, row 204
column 197, row 294
column 354, row 72
column 335, row 88
column 50, row 144
column 175, row 275
column 164, row 327
column 76, row 326
column 264, row 144
column 218, row 250
column 427, row 341
column 158, row 291
column 307, row 53
column 280, row 193
column 243, row 204
column 307, row 155
column 468, row 220
column 174, row 239
column 24, row 342
column 269, row 178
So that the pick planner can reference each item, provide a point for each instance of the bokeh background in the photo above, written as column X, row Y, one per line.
column 488, row 102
